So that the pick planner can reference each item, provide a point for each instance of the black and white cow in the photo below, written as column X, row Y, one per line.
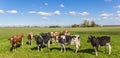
column 39, row 42
column 100, row 41
column 44, row 38
column 69, row 40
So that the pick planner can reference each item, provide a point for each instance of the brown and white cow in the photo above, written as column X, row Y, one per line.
column 30, row 37
column 54, row 36
column 16, row 39
column 65, row 32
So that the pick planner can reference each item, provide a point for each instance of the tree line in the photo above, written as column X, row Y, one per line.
column 86, row 23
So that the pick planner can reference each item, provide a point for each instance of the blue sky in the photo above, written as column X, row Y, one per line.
column 58, row 12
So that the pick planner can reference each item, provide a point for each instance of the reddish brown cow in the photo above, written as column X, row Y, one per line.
column 14, row 40
column 30, row 37
column 54, row 36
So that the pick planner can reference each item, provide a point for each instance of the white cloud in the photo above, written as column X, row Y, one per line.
column 118, row 11
column 61, row 5
column 89, row 18
column 72, row 13
column 104, row 18
column 78, row 13
column 46, row 4
column 12, row 11
column 1, row 11
column 105, row 15
column 84, row 13
column 107, row 0
column 32, row 12
column 44, row 13
column 118, row 15
column 57, row 12
column 118, row 6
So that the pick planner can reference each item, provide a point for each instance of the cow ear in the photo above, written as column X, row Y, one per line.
column 89, row 36
column 79, row 37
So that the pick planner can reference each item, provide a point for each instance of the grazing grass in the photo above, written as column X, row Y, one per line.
column 85, row 50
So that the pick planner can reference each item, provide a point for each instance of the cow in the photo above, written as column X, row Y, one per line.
column 30, row 37
column 54, row 36
column 64, row 32
column 43, row 38
column 69, row 40
column 46, row 38
column 100, row 41
column 15, row 40
column 39, row 42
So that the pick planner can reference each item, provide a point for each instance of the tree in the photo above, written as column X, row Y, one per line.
column 93, row 24
column 75, row 25
column 85, row 23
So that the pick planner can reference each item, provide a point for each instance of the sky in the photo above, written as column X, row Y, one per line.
column 58, row 12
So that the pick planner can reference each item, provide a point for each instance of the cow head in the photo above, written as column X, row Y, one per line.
column 43, row 34
column 90, row 38
column 35, row 36
column 75, row 37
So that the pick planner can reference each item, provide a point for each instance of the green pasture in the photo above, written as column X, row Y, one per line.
column 85, row 50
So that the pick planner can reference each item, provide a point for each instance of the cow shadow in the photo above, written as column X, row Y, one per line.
column 35, row 48
column 17, row 46
column 54, row 49
column 89, row 51
column 67, row 49
column 27, row 43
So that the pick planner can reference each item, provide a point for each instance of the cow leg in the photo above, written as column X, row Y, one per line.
column 61, row 47
column 57, row 39
column 95, row 48
column 14, row 47
column 105, row 49
column 30, row 41
column 38, row 47
column 77, row 47
column 48, row 44
column 22, row 42
column 41, row 47
column 64, row 47
column 53, row 40
column 109, row 47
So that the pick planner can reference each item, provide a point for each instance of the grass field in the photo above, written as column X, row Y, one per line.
column 85, row 51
